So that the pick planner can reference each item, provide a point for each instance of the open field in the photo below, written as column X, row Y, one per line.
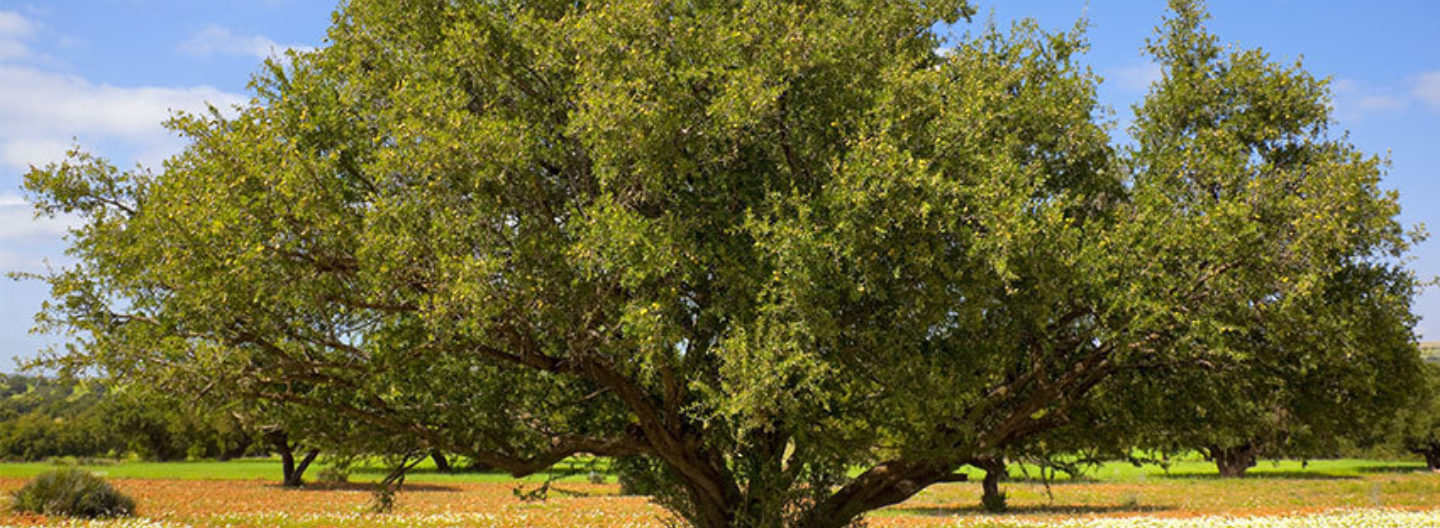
column 244, row 494
column 269, row 469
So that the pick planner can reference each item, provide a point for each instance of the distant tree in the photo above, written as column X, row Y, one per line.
column 442, row 464
column 1420, row 423
column 753, row 246
column 1330, row 390
column 44, row 417
column 1299, row 374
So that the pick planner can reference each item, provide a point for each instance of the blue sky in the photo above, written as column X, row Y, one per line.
column 105, row 73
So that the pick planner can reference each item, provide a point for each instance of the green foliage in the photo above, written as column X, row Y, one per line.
column 753, row 244
column 1283, row 356
column 72, row 492
column 42, row 418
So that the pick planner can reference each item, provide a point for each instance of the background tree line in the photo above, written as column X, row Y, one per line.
column 45, row 417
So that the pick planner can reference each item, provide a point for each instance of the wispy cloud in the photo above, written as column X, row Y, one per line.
column 18, row 222
column 1379, row 103
column 1427, row 89
column 220, row 40
column 1135, row 77
column 44, row 111
column 41, row 112
column 14, row 31
column 1355, row 100
column 27, row 243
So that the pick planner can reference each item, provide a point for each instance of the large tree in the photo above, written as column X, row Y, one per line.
column 754, row 244
column 1272, row 377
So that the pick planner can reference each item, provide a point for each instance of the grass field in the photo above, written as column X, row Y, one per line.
column 269, row 469
column 244, row 493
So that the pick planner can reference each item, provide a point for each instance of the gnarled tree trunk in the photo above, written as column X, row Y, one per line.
column 1431, row 452
column 1233, row 461
column 992, row 499
column 441, row 463
column 293, row 471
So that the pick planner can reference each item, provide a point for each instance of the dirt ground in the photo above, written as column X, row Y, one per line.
column 257, row 503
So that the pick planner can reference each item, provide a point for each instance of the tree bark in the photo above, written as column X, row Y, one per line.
column 992, row 499
column 1233, row 461
column 1431, row 452
column 293, row 472
column 287, row 464
column 441, row 463
column 297, row 477
column 885, row 484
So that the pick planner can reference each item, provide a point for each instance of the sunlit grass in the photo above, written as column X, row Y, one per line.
column 576, row 470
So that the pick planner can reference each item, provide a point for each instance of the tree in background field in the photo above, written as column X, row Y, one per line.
column 1420, row 423
column 752, row 246
column 42, row 418
column 1290, row 374
column 1325, row 396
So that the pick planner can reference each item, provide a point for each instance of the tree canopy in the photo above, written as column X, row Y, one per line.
column 755, row 244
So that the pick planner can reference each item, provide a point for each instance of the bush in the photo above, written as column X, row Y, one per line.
column 72, row 492
column 993, row 503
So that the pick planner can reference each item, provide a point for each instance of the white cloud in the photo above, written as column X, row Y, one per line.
column 1379, row 103
column 18, row 222
column 14, row 30
column 13, row 25
column 42, row 111
column 1427, row 89
column 1356, row 100
column 11, row 262
column 46, row 102
column 1136, row 77
column 23, row 152
column 218, row 39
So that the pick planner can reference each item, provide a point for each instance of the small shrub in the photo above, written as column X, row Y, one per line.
column 383, row 501
column 72, row 492
column 994, row 503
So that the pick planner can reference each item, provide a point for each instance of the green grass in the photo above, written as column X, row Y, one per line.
column 1194, row 467
column 270, row 469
